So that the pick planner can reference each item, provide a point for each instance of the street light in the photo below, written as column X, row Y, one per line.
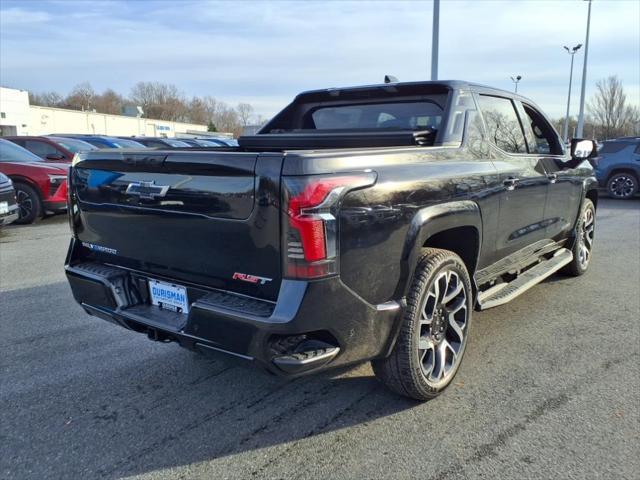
column 572, row 52
column 516, row 80
column 435, row 34
column 584, row 76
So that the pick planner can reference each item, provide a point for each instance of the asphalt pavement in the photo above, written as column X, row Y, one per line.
column 549, row 388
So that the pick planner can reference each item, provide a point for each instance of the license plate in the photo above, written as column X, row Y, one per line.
column 169, row 296
column 4, row 207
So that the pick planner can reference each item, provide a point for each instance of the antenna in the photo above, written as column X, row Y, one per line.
column 390, row 79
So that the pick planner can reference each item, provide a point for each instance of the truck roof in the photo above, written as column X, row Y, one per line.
column 411, row 88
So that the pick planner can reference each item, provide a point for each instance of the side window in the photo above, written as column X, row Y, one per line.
column 474, row 139
column 503, row 125
column 545, row 138
column 41, row 149
column 637, row 150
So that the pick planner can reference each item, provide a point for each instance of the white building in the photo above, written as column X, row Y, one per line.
column 14, row 112
column 17, row 117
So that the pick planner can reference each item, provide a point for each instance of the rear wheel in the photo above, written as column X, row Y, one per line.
column 623, row 185
column 583, row 244
column 29, row 203
column 434, row 331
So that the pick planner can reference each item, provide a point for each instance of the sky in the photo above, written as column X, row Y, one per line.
column 265, row 52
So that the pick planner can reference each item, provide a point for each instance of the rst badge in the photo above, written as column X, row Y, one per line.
column 147, row 190
column 245, row 277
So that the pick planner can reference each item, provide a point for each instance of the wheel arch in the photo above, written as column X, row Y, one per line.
column 455, row 226
column 28, row 181
column 624, row 169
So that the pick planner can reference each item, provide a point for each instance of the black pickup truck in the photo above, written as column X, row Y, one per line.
column 359, row 224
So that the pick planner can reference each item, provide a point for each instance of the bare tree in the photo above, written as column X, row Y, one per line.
column 160, row 100
column 245, row 113
column 81, row 97
column 199, row 111
column 261, row 121
column 609, row 109
column 46, row 99
column 109, row 102
column 226, row 119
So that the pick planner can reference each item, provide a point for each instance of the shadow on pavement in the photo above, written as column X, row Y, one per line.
column 86, row 398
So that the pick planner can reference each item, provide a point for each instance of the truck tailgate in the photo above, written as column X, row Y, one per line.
column 208, row 218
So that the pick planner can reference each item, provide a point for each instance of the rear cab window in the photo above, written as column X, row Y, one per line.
column 421, row 115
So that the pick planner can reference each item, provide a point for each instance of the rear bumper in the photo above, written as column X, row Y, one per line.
column 247, row 328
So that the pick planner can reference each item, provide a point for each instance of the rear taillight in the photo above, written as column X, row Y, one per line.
column 310, row 240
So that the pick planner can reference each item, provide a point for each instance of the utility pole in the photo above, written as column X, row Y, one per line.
column 516, row 81
column 435, row 33
column 565, row 130
column 584, row 76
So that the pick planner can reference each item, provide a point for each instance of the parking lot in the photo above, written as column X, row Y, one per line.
column 549, row 388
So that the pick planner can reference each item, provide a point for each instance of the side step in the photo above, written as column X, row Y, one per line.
column 505, row 292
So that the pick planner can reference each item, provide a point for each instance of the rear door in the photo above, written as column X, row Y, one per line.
column 196, row 217
column 524, row 181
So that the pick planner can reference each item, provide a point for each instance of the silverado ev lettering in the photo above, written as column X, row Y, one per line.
column 373, row 220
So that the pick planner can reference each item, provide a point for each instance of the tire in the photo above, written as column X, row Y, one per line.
column 583, row 243
column 29, row 203
column 428, row 351
column 622, row 186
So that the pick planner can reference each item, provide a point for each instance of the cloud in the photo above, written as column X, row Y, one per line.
column 266, row 52
column 20, row 17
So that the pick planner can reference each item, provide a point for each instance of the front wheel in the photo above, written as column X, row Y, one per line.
column 583, row 243
column 434, row 331
column 29, row 204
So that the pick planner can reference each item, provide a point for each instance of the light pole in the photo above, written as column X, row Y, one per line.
column 435, row 33
column 572, row 52
column 584, row 76
column 516, row 81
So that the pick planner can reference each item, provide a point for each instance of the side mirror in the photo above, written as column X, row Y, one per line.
column 583, row 149
column 54, row 156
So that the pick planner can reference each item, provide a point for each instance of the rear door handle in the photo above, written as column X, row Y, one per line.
column 510, row 183
column 553, row 177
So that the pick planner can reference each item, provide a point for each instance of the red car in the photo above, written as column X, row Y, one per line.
column 40, row 186
column 52, row 148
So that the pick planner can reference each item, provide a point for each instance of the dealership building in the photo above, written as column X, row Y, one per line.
column 18, row 117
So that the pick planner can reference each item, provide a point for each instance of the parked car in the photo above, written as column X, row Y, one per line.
column 359, row 224
column 201, row 142
column 618, row 167
column 8, row 203
column 51, row 148
column 226, row 141
column 104, row 141
column 161, row 142
column 231, row 142
column 39, row 186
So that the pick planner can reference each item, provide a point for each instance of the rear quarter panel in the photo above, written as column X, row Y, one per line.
column 375, row 222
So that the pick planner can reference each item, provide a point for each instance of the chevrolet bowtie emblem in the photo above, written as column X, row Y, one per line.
column 147, row 190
